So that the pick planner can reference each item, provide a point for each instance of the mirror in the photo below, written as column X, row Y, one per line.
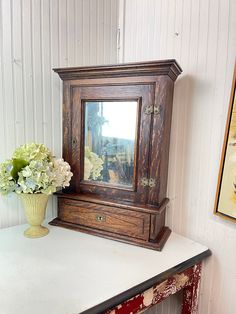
column 109, row 141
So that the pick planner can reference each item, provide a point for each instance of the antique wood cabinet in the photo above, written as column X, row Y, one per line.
column 116, row 133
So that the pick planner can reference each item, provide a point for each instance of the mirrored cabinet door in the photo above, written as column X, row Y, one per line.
column 110, row 139
column 112, row 158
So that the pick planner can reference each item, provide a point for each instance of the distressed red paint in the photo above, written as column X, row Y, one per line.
column 131, row 306
column 191, row 292
column 187, row 280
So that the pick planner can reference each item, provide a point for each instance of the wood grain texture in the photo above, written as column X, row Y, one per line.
column 157, row 245
column 104, row 200
column 161, row 67
column 97, row 90
column 120, row 221
column 147, row 84
column 160, row 140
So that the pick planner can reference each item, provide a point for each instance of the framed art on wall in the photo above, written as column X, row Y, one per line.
column 225, row 202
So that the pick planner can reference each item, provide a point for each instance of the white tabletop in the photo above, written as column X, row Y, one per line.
column 68, row 272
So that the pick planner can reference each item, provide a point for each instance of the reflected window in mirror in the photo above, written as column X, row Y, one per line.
column 109, row 143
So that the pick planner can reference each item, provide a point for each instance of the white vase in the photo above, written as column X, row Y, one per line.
column 35, row 209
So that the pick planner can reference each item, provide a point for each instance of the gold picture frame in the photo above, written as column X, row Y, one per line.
column 225, row 201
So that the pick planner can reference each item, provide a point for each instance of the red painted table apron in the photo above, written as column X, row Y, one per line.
column 188, row 281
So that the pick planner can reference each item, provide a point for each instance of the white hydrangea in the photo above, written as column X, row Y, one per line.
column 33, row 170
column 32, row 151
column 87, row 168
column 93, row 165
column 61, row 173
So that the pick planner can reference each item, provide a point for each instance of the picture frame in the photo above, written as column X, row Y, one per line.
column 225, row 201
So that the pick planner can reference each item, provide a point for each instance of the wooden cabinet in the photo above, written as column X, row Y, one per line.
column 116, row 132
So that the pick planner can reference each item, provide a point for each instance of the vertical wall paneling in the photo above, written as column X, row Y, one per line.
column 27, row 75
column 37, row 68
column 63, row 32
column 121, row 30
column 100, row 32
column 86, row 24
column 55, row 95
column 93, row 29
column 8, row 95
column 71, row 31
column 200, row 34
column 36, row 36
column 46, row 72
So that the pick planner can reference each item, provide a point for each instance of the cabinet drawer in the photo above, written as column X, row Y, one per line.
column 112, row 219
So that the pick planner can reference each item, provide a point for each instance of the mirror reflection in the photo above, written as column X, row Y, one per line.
column 110, row 141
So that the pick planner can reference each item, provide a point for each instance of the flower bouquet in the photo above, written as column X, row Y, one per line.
column 34, row 174
column 93, row 165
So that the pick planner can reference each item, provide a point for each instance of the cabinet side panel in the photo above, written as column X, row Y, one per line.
column 166, row 141
column 159, row 155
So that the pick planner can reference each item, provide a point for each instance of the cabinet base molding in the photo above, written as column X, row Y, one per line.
column 157, row 246
column 121, row 222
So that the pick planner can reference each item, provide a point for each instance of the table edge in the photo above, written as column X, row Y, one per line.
column 118, row 299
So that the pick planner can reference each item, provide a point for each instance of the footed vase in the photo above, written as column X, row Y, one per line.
column 35, row 208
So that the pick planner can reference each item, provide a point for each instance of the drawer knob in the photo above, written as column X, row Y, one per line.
column 100, row 218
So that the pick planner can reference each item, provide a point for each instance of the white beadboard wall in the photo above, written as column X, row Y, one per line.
column 201, row 36
column 36, row 36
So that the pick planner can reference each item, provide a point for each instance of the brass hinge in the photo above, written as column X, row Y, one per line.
column 148, row 182
column 152, row 182
column 148, row 109
column 144, row 181
column 156, row 110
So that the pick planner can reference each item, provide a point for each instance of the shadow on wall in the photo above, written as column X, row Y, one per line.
column 180, row 150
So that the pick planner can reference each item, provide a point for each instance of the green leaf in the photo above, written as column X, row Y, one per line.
column 18, row 165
